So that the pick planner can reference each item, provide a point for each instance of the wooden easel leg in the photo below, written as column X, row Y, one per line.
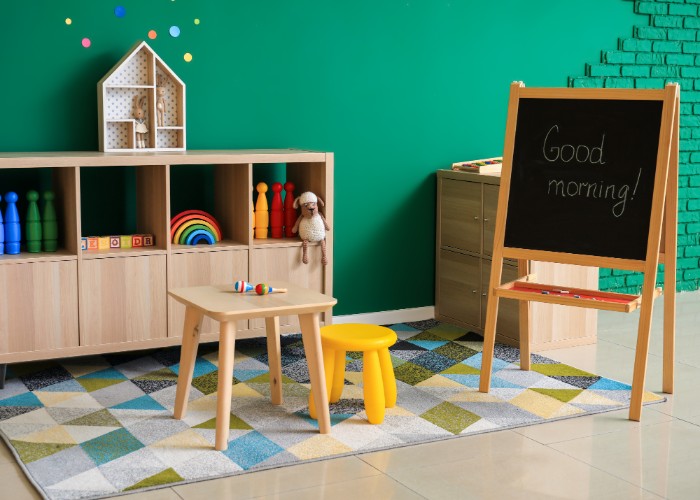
column 670, row 265
column 489, row 343
column 524, row 320
column 641, row 353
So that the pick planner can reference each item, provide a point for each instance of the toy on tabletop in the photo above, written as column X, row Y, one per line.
column 136, row 241
column 83, row 243
column 160, row 100
column 242, row 287
column 32, row 228
column 290, row 213
column 115, row 242
column 311, row 224
column 49, row 224
column 262, row 217
column 277, row 212
column 261, row 288
column 2, row 234
column 125, row 241
column 103, row 242
column 194, row 226
column 13, row 234
column 139, row 112
column 92, row 243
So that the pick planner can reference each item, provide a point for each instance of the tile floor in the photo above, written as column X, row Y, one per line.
column 598, row 457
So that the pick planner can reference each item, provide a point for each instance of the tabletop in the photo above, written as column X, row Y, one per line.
column 222, row 303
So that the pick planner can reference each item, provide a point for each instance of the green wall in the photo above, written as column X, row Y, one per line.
column 397, row 89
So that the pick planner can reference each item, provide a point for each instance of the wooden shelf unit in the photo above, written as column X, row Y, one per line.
column 78, row 302
column 466, row 216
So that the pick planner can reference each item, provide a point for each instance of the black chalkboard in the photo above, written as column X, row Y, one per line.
column 582, row 176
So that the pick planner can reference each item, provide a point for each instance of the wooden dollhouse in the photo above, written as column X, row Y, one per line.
column 141, row 104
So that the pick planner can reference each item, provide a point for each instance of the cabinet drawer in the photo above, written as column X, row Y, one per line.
column 38, row 306
column 122, row 299
column 459, row 290
column 460, row 215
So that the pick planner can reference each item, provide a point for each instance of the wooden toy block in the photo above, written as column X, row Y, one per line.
column 114, row 242
column 148, row 240
column 83, row 243
column 92, row 243
column 103, row 242
column 125, row 241
column 136, row 240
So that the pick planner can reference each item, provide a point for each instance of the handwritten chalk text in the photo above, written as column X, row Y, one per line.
column 581, row 153
column 595, row 190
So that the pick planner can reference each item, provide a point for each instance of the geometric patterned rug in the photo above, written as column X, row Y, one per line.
column 101, row 426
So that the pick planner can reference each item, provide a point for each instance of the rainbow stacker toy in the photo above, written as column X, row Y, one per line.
column 194, row 226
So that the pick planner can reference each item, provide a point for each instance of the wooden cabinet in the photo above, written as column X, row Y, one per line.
column 76, row 302
column 466, row 216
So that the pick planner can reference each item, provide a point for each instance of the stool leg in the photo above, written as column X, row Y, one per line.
column 274, row 357
column 388, row 378
column 338, row 382
column 227, row 345
column 188, row 355
column 373, row 387
column 328, row 366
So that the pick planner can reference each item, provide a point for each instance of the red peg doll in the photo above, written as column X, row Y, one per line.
column 276, row 212
column 290, row 213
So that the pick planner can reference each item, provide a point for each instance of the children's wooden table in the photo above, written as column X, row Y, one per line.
column 224, row 305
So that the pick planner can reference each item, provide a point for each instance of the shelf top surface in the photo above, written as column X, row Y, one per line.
column 191, row 157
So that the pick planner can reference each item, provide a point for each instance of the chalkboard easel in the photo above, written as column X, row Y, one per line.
column 590, row 178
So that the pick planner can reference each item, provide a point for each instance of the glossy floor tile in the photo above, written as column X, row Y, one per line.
column 602, row 456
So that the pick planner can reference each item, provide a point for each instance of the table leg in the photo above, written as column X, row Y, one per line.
column 274, row 357
column 3, row 373
column 311, row 336
column 188, row 355
column 227, row 345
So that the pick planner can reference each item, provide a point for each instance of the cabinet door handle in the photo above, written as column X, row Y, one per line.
column 476, row 217
column 483, row 294
column 473, row 291
column 486, row 220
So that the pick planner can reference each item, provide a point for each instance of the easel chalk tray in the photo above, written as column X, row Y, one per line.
column 589, row 178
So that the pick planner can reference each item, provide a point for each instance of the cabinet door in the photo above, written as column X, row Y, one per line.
column 490, row 204
column 507, row 326
column 284, row 263
column 38, row 306
column 460, row 215
column 458, row 296
column 204, row 268
column 122, row 299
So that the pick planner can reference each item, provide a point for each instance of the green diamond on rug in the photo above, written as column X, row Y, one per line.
column 120, row 436
column 166, row 477
column 234, row 423
column 450, row 417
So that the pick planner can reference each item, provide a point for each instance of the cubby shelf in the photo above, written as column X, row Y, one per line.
column 78, row 302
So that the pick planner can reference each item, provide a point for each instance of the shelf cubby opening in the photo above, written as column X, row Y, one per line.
column 135, row 206
column 220, row 192
column 62, row 182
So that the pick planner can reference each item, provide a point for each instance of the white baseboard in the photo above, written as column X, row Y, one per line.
column 388, row 317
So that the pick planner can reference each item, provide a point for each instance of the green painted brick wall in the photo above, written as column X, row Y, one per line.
column 666, row 49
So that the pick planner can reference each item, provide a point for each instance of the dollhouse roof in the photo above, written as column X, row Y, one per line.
column 120, row 70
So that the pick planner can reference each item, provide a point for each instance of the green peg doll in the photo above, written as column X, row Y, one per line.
column 32, row 227
column 49, row 224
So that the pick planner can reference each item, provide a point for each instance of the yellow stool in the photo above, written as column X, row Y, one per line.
column 377, row 373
